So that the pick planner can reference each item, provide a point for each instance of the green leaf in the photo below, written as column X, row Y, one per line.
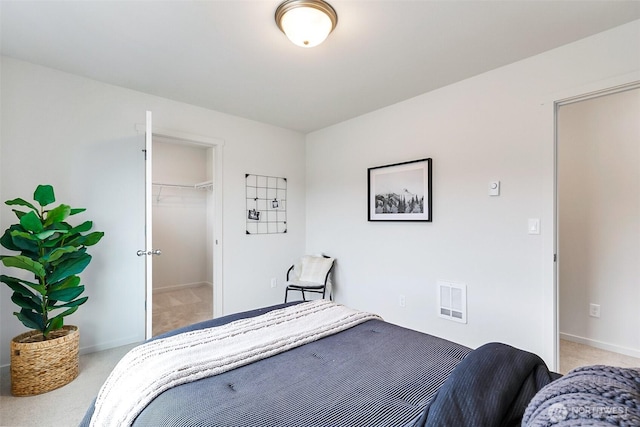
column 57, row 214
column 69, row 267
column 75, row 240
column 27, row 243
column 24, row 302
column 77, row 210
column 55, row 323
column 67, row 259
column 44, row 195
column 48, row 233
column 66, row 294
column 7, row 239
column 24, row 240
column 20, row 202
column 54, row 241
column 59, row 252
column 17, row 285
column 93, row 238
column 18, row 213
column 20, row 232
column 73, row 304
column 31, row 222
column 31, row 319
column 24, row 263
column 69, row 282
column 63, row 227
column 85, row 226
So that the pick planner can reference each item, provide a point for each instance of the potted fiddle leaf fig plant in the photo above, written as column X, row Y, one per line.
column 51, row 254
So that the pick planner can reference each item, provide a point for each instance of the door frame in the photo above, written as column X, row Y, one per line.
column 217, row 144
column 597, row 89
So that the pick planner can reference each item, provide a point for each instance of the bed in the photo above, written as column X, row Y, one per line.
column 369, row 373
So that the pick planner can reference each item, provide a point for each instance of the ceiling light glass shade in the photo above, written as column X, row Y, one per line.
column 307, row 23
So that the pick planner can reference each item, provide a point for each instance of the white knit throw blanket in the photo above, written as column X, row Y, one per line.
column 151, row 368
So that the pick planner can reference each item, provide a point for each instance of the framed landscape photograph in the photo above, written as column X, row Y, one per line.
column 400, row 192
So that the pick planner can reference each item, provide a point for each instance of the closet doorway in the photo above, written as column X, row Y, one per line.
column 183, row 221
column 598, row 228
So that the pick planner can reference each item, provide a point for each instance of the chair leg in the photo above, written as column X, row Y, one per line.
column 286, row 294
column 303, row 297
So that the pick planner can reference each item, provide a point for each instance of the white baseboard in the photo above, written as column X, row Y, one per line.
column 111, row 344
column 181, row 286
column 601, row 345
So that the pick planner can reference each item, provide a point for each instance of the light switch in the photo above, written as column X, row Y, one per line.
column 534, row 225
column 494, row 188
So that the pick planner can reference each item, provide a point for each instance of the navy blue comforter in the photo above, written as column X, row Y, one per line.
column 374, row 374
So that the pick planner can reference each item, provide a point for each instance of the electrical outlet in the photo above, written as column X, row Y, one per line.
column 274, row 282
column 594, row 310
column 402, row 301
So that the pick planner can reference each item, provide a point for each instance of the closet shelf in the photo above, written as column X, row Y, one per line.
column 206, row 185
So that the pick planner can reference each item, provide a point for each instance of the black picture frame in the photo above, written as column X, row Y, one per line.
column 400, row 191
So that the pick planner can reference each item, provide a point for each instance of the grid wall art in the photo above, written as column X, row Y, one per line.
column 266, row 204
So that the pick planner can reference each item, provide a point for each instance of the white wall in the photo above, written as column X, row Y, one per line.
column 496, row 126
column 180, row 216
column 599, row 220
column 80, row 136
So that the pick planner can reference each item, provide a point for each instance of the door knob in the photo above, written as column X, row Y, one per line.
column 151, row 252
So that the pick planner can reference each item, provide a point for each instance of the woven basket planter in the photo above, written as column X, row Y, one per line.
column 39, row 366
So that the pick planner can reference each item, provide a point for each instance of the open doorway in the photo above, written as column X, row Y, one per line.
column 183, row 221
column 598, row 229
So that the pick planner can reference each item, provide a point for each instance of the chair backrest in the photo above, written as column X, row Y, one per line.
column 313, row 269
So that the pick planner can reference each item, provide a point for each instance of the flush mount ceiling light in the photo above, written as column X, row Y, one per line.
column 307, row 23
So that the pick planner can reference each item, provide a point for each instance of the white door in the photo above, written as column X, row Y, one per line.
column 148, row 251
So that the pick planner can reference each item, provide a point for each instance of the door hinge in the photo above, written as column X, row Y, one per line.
column 555, row 257
column 144, row 150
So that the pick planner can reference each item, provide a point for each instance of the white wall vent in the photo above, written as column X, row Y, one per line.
column 453, row 301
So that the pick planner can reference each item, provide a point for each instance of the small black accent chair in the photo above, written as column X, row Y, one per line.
column 311, row 274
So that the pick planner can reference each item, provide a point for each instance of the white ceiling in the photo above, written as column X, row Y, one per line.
column 230, row 56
